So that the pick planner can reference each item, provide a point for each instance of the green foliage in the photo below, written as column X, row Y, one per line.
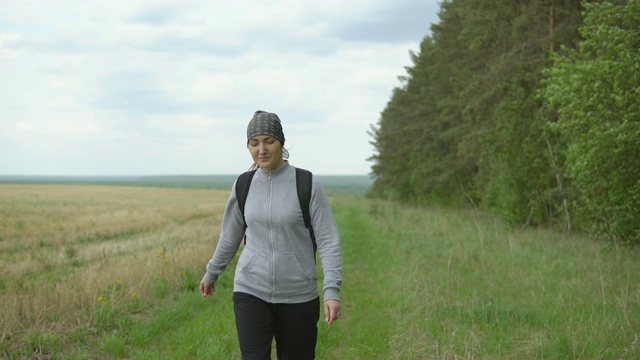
column 520, row 109
column 596, row 91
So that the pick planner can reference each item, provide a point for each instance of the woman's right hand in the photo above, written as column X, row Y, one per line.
column 207, row 289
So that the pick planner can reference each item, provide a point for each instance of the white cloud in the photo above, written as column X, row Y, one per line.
column 167, row 87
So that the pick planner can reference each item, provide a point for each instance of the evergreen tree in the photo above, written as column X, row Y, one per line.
column 439, row 129
column 522, row 166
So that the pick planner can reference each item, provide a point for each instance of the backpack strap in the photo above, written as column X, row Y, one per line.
column 242, row 190
column 304, row 180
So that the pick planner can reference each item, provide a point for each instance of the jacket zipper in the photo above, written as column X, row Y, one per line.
column 272, row 242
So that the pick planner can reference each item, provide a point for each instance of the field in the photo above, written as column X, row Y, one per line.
column 333, row 184
column 93, row 271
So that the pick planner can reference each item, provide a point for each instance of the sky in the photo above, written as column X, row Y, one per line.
column 158, row 87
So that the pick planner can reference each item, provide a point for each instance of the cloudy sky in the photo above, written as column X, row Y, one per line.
column 160, row 87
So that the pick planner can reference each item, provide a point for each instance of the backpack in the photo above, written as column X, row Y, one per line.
column 303, row 186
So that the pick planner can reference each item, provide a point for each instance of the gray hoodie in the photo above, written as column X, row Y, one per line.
column 277, row 264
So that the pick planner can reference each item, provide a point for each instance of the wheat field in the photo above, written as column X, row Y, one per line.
column 65, row 248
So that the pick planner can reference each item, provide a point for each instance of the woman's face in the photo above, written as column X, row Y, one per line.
column 266, row 152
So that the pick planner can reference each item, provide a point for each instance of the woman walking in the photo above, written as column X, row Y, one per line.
column 275, row 291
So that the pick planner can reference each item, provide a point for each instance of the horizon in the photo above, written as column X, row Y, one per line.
column 154, row 175
column 18, row 177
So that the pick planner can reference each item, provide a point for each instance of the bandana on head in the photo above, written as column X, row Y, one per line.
column 265, row 123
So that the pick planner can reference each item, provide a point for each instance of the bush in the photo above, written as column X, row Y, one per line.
column 595, row 90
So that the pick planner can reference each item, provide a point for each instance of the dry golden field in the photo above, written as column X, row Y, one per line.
column 66, row 248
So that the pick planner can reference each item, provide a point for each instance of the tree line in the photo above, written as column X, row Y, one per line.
column 528, row 109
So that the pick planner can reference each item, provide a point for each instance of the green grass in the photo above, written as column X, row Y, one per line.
column 445, row 284
column 418, row 284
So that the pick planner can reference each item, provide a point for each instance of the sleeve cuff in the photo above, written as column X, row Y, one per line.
column 331, row 294
column 210, row 278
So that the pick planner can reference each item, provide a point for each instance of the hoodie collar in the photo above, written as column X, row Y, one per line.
column 277, row 171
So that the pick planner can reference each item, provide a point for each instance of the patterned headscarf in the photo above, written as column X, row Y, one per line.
column 265, row 123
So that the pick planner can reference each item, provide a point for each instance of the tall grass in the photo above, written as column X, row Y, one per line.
column 121, row 266
column 456, row 284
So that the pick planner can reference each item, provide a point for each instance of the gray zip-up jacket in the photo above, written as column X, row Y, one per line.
column 277, row 264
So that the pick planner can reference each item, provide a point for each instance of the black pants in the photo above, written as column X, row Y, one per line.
column 294, row 326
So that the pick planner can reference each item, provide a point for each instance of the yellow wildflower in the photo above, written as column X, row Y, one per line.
column 100, row 298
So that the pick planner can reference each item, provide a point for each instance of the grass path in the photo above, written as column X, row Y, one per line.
column 205, row 328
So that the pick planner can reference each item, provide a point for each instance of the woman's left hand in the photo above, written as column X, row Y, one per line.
column 331, row 311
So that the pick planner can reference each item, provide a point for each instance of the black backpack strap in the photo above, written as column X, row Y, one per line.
column 304, row 180
column 242, row 190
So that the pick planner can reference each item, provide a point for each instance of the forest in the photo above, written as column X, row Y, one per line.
column 526, row 109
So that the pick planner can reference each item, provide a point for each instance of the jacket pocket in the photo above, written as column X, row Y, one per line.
column 245, row 262
column 252, row 271
column 292, row 277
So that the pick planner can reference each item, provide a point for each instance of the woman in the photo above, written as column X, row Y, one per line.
column 275, row 287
